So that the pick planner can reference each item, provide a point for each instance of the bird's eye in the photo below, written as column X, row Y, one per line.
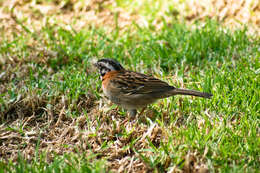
column 102, row 71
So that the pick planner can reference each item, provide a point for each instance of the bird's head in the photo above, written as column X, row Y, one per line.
column 106, row 65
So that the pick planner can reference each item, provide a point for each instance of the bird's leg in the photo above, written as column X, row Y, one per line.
column 132, row 113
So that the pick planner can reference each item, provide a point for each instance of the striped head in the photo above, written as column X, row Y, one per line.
column 107, row 65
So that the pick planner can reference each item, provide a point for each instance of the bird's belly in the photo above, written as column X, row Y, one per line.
column 105, row 91
column 129, row 103
column 112, row 97
column 126, row 101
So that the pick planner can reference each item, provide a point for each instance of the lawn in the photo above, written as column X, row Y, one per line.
column 55, row 118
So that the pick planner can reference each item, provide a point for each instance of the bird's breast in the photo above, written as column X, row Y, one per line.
column 106, row 82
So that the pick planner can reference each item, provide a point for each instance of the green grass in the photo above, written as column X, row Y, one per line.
column 66, row 163
column 222, row 133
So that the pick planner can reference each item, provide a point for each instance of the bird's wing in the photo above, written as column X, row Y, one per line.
column 131, row 83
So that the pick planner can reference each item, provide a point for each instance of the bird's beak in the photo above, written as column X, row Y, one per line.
column 96, row 64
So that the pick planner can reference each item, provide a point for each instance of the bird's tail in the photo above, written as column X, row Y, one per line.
column 178, row 91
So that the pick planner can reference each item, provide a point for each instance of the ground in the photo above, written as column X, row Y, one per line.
column 55, row 117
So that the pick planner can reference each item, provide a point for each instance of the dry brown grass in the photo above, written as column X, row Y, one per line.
column 58, row 134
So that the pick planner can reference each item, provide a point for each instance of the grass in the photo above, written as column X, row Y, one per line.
column 65, row 163
column 220, row 135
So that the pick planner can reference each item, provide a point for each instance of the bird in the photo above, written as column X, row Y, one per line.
column 132, row 90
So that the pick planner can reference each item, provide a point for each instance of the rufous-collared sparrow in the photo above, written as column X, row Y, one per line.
column 133, row 90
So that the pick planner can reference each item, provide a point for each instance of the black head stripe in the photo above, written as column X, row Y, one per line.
column 111, row 64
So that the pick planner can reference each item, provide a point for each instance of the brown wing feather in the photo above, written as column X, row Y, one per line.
column 137, row 83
